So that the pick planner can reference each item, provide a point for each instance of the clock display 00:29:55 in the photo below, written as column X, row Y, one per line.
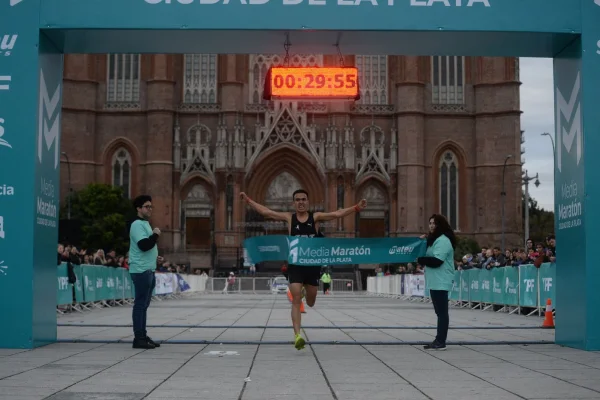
column 314, row 81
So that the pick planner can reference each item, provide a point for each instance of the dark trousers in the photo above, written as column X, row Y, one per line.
column 143, row 284
column 439, row 298
column 326, row 287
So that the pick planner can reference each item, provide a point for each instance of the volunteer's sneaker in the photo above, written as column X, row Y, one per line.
column 435, row 345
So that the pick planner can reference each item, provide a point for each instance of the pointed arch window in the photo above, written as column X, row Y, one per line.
column 121, row 171
column 373, row 79
column 123, row 78
column 447, row 79
column 448, row 170
column 200, row 78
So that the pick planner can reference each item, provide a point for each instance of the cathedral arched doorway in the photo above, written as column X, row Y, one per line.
column 198, row 219
column 278, row 197
column 278, row 173
column 373, row 222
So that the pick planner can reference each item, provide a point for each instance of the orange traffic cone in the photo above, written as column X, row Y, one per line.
column 290, row 298
column 549, row 318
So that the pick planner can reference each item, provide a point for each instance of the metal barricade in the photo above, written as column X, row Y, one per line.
column 339, row 285
column 241, row 285
column 264, row 285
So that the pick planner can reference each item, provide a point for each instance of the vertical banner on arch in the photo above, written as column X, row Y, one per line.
column 569, row 192
column 28, row 264
column 586, row 267
column 46, row 185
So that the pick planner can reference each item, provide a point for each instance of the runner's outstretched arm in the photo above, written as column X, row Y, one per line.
column 265, row 211
column 319, row 216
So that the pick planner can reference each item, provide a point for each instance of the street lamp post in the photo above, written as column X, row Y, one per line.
column 526, row 180
column 551, row 139
column 70, row 189
column 503, row 198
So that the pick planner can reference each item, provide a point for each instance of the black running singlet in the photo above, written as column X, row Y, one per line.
column 303, row 229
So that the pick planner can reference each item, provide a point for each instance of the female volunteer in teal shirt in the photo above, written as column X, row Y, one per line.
column 439, row 274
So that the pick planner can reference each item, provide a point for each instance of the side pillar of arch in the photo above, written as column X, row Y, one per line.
column 30, row 128
column 410, row 100
column 577, row 188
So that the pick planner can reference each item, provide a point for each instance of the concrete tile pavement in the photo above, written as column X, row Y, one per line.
column 392, row 370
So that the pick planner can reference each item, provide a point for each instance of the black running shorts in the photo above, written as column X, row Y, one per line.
column 305, row 275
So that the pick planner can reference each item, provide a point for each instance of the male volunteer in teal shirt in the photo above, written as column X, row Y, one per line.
column 143, row 254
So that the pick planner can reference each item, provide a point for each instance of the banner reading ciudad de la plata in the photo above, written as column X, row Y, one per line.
column 334, row 251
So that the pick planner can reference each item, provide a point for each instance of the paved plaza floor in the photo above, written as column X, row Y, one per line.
column 383, row 361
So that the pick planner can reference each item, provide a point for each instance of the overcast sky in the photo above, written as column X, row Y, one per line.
column 537, row 104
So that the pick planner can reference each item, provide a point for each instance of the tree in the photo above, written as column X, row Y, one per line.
column 103, row 213
column 465, row 245
column 541, row 222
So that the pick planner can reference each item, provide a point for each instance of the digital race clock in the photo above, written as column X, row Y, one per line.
column 333, row 83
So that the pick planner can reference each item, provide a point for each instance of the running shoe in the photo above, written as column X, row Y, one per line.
column 299, row 342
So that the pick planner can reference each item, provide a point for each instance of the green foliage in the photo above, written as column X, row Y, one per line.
column 465, row 245
column 103, row 213
column 541, row 222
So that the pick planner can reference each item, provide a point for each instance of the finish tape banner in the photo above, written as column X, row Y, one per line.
column 333, row 251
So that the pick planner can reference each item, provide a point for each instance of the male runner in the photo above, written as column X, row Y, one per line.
column 304, row 224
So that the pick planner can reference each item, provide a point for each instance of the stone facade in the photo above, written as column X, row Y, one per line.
column 430, row 134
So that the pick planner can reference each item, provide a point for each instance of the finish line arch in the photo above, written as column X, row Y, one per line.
column 34, row 34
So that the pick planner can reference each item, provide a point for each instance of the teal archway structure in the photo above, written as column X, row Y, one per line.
column 34, row 35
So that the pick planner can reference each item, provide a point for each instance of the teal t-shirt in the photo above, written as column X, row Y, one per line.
column 140, row 261
column 440, row 278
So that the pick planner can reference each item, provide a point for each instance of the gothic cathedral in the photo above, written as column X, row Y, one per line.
column 429, row 135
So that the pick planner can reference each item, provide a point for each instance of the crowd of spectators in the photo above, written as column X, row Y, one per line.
column 488, row 258
column 71, row 254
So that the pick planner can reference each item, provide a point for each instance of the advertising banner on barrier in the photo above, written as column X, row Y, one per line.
column 98, row 283
column 415, row 284
column 333, row 251
column 511, row 283
column 455, row 293
column 64, row 293
column 485, row 282
column 497, row 285
column 528, row 289
column 164, row 284
column 472, row 276
column 547, row 281
column 465, row 287
column 505, row 286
